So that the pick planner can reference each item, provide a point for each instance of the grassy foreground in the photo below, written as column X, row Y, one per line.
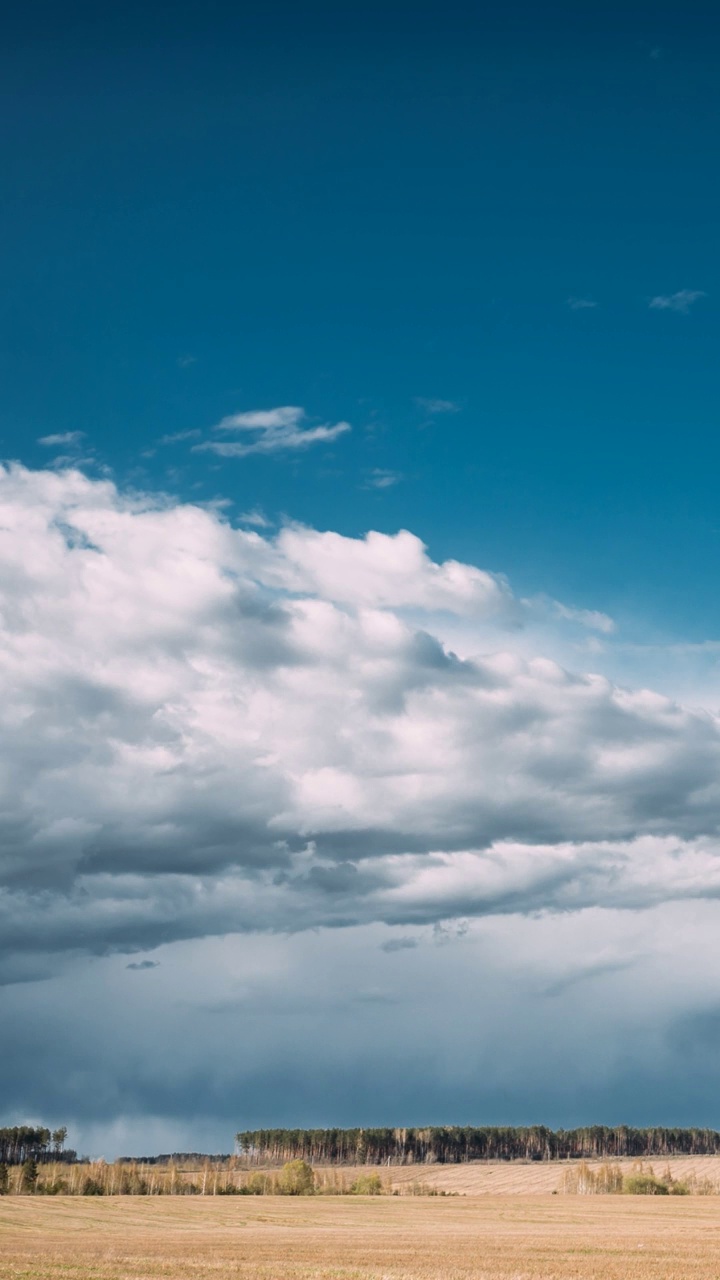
column 533, row 1238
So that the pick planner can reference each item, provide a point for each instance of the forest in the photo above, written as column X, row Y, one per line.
column 24, row 1142
column 454, row 1144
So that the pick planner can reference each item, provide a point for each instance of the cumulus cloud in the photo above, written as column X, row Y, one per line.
column 206, row 730
column 680, row 301
column 271, row 431
column 62, row 438
column 382, row 571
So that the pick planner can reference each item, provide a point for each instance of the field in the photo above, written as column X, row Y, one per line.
column 541, row 1237
column 494, row 1177
column 516, row 1177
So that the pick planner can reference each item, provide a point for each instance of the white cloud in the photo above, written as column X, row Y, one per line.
column 177, row 437
column 381, row 478
column 62, row 438
column 255, row 517
column 435, row 406
column 581, row 304
column 274, row 430
column 681, row 301
column 383, row 571
column 205, row 730
column 593, row 619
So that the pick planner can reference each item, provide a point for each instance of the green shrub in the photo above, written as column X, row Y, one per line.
column 296, row 1179
column 368, row 1184
column 258, row 1184
column 131, row 1184
column 58, row 1187
column 644, row 1184
column 91, row 1187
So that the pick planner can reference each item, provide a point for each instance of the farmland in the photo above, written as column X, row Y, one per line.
column 520, row 1237
column 475, row 1178
column 516, row 1177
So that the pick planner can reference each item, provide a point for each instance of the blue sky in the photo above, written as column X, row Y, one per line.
column 279, row 284
column 217, row 208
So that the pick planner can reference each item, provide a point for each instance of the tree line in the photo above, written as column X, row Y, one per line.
column 176, row 1157
column 295, row 1178
column 453, row 1144
column 23, row 1142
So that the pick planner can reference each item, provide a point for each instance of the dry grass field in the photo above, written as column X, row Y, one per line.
column 501, row 1177
column 325, row 1238
column 489, row 1177
column 516, row 1177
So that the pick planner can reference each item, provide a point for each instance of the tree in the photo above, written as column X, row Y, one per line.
column 4, row 1179
column 29, row 1175
column 296, row 1179
column 58, row 1140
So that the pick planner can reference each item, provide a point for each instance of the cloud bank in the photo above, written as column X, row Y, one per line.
column 208, row 731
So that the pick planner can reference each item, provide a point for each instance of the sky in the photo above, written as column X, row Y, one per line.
column 359, row 631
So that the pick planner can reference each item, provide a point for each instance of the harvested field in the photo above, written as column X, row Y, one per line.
column 532, row 1178
column 513, row 1238
column 500, row 1177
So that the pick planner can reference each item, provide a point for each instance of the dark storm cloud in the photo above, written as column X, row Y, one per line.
column 312, row 1029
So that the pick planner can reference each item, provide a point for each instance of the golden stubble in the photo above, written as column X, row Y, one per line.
column 346, row 1238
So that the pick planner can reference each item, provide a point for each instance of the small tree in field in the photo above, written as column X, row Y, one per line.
column 29, row 1175
column 296, row 1179
column 4, row 1179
